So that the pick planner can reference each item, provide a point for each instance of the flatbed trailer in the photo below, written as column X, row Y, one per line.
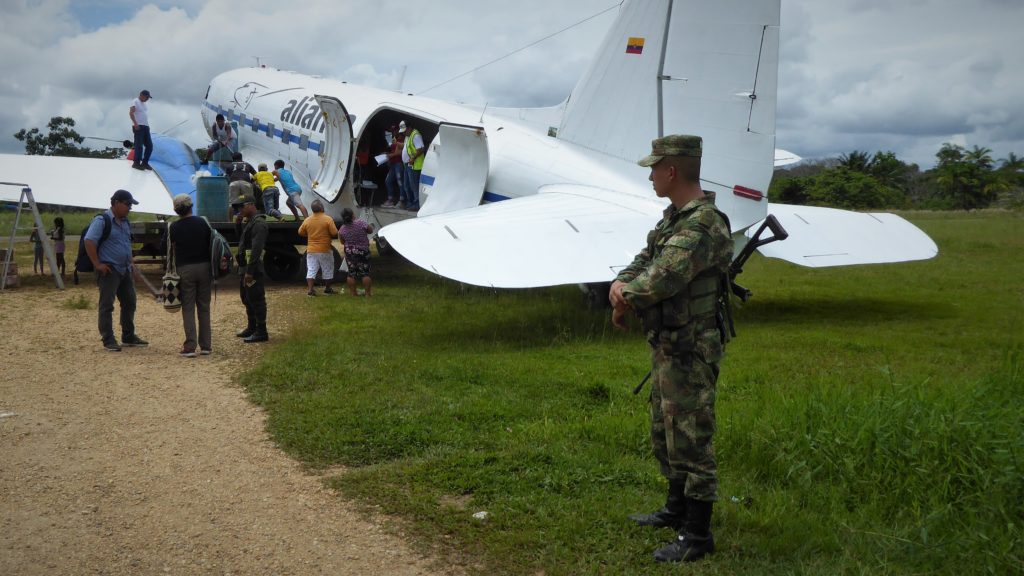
column 283, row 260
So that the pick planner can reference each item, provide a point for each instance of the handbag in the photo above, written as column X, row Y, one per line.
column 171, row 281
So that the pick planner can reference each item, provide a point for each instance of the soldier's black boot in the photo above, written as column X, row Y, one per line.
column 695, row 540
column 259, row 335
column 672, row 515
column 249, row 330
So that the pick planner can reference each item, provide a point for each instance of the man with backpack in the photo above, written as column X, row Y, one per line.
column 108, row 246
column 189, row 239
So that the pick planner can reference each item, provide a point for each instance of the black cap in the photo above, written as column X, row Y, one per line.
column 123, row 196
column 145, row 93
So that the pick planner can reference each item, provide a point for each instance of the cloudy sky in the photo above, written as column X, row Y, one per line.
column 899, row 75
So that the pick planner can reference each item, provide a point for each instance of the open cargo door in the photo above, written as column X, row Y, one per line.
column 337, row 153
column 454, row 170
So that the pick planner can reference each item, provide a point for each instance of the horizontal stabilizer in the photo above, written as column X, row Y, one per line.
column 565, row 234
column 822, row 237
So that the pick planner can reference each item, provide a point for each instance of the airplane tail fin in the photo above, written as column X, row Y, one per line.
column 686, row 66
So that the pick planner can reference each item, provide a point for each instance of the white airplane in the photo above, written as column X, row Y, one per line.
column 537, row 197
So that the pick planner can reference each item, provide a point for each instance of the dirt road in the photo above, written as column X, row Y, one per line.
column 142, row 462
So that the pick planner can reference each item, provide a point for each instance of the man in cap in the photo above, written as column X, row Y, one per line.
column 676, row 285
column 108, row 244
column 189, row 237
column 412, row 155
column 143, row 148
column 252, row 234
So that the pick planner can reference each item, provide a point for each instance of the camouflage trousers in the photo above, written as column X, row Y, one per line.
column 683, row 421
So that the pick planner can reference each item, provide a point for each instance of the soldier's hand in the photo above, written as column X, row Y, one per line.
column 615, row 294
column 619, row 317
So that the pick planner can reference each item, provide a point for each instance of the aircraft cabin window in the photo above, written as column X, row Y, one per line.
column 241, row 120
column 286, row 135
column 322, row 149
column 270, row 130
column 255, row 124
column 303, row 142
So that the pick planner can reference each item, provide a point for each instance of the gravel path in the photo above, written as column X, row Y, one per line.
column 141, row 462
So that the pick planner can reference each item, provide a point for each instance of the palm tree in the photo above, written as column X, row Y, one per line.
column 980, row 157
column 856, row 161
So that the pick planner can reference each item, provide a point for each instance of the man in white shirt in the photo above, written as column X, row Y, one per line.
column 222, row 136
column 143, row 147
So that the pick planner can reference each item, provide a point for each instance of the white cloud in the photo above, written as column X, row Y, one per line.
column 854, row 74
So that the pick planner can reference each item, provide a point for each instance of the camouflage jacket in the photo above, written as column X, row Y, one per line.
column 252, row 239
column 688, row 243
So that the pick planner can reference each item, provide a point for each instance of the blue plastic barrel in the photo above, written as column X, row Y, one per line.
column 212, row 198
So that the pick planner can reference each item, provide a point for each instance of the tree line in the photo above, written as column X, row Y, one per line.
column 961, row 180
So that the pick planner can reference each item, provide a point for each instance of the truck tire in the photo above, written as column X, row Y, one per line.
column 283, row 263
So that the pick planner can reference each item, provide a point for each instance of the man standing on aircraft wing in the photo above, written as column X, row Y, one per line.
column 412, row 156
column 676, row 285
column 108, row 244
column 143, row 147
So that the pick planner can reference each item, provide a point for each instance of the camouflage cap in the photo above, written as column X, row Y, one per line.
column 672, row 145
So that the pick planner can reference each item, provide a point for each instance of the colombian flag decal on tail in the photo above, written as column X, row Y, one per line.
column 635, row 46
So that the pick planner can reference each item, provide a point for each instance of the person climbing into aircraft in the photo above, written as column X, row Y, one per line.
column 222, row 135
column 240, row 177
column 143, row 145
column 269, row 192
column 395, row 181
column 291, row 188
column 412, row 155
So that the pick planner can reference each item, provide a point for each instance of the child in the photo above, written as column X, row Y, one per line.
column 37, row 260
column 57, row 235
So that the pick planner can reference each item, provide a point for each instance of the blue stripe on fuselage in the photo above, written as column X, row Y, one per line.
column 230, row 115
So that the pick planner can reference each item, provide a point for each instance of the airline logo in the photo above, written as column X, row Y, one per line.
column 635, row 46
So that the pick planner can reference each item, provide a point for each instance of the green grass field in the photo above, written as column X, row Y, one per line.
column 871, row 419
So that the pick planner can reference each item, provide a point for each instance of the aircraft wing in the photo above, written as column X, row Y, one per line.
column 564, row 234
column 821, row 237
column 89, row 182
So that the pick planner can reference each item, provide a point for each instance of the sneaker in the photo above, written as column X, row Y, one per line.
column 147, row 167
column 205, row 352
column 138, row 166
column 187, row 353
column 329, row 291
column 134, row 342
column 388, row 204
column 112, row 346
column 311, row 293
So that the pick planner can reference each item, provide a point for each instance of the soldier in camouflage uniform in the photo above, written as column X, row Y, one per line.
column 677, row 286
